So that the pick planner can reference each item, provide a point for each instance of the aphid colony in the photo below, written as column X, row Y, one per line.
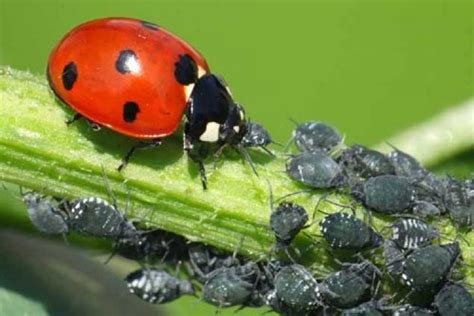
column 394, row 184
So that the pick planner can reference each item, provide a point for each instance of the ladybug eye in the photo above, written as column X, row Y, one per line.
column 127, row 62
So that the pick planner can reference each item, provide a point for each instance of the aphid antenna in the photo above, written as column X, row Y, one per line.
column 248, row 158
column 268, row 151
column 294, row 193
column 109, row 188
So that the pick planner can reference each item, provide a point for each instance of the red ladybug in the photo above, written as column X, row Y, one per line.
column 139, row 79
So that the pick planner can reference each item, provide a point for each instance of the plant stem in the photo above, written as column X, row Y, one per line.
column 442, row 137
column 38, row 151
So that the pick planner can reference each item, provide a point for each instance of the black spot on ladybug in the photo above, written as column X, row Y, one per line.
column 186, row 70
column 150, row 25
column 130, row 111
column 127, row 62
column 69, row 75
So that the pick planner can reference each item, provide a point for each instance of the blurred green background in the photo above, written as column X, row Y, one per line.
column 370, row 68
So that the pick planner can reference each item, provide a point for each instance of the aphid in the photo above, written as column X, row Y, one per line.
column 205, row 259
column 459, row 202
column 295, row 291
column 394, row 258
column 286, row 221
column 230, row 286
column 157, row 286
column 412, row 233
column 388, row 194
column 406, row 165
column 344, row 231
column 352, row 285
column 95, row 217
column 427, row 267
column 45, row 214
column 153, row 245
column 454, row 299
column 316, row 169
column 371, row 308
column 316, row 136
column 257, row 136
column 365, row 163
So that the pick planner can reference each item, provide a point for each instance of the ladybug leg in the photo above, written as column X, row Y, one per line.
column 140, row 145
column 74, row 118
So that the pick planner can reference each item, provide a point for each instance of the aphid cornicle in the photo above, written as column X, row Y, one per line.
column 427, row 267
column 316, row 136
column 364, row 162
column 45, row 214
column 157, row 286
column 315, row 169
column 388, row 194
column 412, row 233
column 454, row 299
column 345, row 231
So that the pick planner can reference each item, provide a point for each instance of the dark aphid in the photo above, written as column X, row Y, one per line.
column 316, row 136
column 365, row 163
column 317, row 170
column 286, row 221
column 371, row 308
column 295, row 291
column 425, row 209
column 427, row 267
column 230, row 286
column 454, row 299
column 95, row 217
column 406, row 165
column 351, row 286
column 411, row 310
column 45, row 214
column 256, row 136
column 388, row 194
column 459, row 202
column 412, row 233
column 157, row 286
column 345, row 231
column 153, row 245
column 203, row 260
column 393, row 257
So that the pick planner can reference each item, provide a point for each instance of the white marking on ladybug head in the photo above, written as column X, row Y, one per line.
column 211, row 134
column 188, row 89
column 201, row 72
column 236, row 128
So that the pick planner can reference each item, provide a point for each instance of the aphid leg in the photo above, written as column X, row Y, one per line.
column 109, row 188
column 74, row 118
column 140, row 145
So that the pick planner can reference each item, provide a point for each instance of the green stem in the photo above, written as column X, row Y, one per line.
column 442, row 137
column 38, row 151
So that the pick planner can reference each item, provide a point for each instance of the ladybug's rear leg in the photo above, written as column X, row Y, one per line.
column 95, row 127
column 140, row 145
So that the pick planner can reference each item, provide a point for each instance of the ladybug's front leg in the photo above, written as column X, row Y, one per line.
column 197, row 151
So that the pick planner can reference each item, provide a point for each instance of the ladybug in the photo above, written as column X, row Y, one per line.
column 139, row 80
